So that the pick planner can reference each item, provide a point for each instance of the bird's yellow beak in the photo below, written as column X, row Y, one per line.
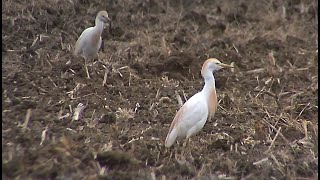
column 226, row 65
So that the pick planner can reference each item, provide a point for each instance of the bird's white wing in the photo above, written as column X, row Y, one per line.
column 193, row 112
column 81, row 41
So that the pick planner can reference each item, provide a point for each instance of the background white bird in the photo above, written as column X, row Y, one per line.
column 90, row 40
column 194, row 113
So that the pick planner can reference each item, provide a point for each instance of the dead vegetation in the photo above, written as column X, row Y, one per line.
column 57, row 124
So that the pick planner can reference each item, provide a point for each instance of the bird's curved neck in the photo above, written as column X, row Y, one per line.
column 99, row 25
column 209, row 82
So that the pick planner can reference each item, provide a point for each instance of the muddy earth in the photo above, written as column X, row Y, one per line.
column 266, row 124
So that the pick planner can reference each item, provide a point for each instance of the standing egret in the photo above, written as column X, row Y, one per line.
column 194, row 113
column 90, row 40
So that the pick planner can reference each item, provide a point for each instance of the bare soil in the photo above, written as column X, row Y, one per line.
column 266, row 125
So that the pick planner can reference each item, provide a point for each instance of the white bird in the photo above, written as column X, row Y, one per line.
column 90, row 40
column 194, row 113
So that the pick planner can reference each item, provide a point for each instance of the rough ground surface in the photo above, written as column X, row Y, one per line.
column 153, row 50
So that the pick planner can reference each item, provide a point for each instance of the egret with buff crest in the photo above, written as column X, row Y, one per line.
column 194, row 113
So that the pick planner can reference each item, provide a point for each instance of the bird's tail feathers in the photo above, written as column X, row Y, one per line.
column 76, row 51
column 171, row 138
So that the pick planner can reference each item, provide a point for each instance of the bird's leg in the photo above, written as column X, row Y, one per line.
column 170, row 153
column 98, row 57
column 184, row 145
column 188, row 147
column 86, row 68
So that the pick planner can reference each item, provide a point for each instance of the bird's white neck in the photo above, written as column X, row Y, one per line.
column 209, row 82
column 99, row 25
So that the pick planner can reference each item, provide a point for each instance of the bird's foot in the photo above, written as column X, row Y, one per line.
column 180, row 158
column 87, row 71
column 90, row 64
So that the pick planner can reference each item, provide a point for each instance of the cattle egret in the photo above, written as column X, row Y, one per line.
column 90, row 40
column 194, row 113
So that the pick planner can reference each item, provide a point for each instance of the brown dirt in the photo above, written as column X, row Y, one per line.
column 157, row 48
